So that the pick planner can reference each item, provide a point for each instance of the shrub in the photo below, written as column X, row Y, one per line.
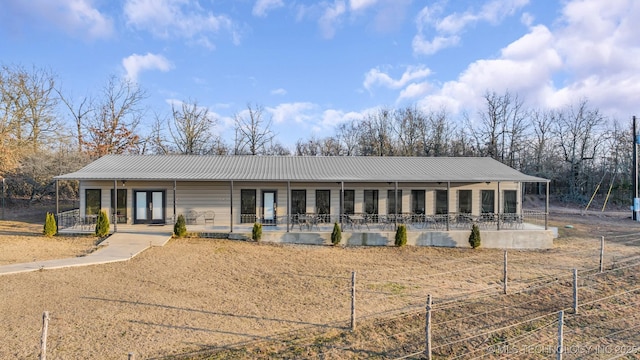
column 401, row 235
column 180, row 227
column 102, row 224
column 474, row 238
column 256, row 232
column 336, row 234
column 50, row 226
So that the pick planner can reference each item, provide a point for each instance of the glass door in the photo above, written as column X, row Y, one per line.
column 150, row 207
column 269, row 207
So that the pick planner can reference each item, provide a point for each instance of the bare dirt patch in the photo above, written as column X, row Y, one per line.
column 196, row 294
column 23, row 242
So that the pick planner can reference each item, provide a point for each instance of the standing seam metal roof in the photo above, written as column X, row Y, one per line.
column 297, row 168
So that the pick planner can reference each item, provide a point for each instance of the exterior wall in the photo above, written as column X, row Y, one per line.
column 215, row 196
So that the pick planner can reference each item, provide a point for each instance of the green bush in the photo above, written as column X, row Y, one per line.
column 336, row 234
column 256, row 232
column 50, row 226
column 180, row 227
column 102, row 224
column 401, row 235
column 474, row 238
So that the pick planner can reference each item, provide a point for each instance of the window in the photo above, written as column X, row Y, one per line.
column 298, row 202
column 510, row 202
column 323, row 203
column 417, row 201
column 121, row 212
column 464, row 201
column 371, row 201
column 92, row 201
column 349, row 202
column 488, row 201
column 247, row 205
column 442, row 202
column 391, row 202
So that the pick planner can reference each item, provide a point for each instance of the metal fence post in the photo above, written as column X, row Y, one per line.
column 427, row 350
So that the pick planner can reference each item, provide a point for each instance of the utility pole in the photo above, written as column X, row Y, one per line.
column 636, row 201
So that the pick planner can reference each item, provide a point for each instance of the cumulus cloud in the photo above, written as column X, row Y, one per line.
column 591, row 53
column 449, row 28
column 412, row 77
column 357, row 5
column 298, row 112
column 178, row 19
column 134, row 64
column 262, row 7
column 76, row 17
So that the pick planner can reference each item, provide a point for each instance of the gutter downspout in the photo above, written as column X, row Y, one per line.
column 448, row 198
column 231, row 208
column 499, row 203
column 341, row 204
column 175, row 186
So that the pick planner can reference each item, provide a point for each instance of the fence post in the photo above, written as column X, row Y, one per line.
column 601, row 253
column 43, row 338
column 575, row 291
column 132, row 356
column 427, row 350
column 560, row 325
column 504, row 275
column 353, row 300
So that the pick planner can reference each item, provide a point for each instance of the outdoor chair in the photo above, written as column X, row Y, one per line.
column 192, row 217
column 209, row 217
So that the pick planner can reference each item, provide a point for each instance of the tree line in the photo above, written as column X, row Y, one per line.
column 44, row 132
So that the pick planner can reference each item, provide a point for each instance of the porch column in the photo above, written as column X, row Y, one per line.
column 546, row 207
column 115, row 205
column 395, row 210
column 57, row 197
column 231, row 208
column 498, row 223
column 175, row 185
column 341, row 203
column 448, row 199
column 288, row 204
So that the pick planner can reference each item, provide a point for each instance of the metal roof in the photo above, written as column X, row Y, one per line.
column 298, row 168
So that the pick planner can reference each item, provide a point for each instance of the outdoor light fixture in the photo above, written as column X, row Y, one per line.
column 124, row 182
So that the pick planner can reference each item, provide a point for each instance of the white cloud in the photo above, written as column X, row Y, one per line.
column 262, row 7
column 331, row 17
column 377, row 77
column 449, row 28
column 591, row 53
column 279, row 91
column 134, row 64
column 357, row 5
column 291, row 111
column 178, row 19
column 76, row 17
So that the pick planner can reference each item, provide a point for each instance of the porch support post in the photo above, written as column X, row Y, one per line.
column 546, row 207
column 115, row 205
column 448, row 198
column 57, row 197
column 175, row 185
column 499, row 213
column 288, row 204
column 231, row 208
column 341, row 203
column 395, row 210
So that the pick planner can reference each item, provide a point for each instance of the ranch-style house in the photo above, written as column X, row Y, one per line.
column 299, row 198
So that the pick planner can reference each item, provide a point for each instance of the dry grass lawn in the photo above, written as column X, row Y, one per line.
column 195, row 294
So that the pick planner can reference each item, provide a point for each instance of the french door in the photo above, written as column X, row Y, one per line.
column 150, row 207
column 269, row 209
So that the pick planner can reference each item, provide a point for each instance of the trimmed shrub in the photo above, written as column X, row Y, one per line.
column 102, row 224
column 256, row 232
column 474, row 238
column 336, row 234
column 401, row 235
column 50, row 226
column 180, row 227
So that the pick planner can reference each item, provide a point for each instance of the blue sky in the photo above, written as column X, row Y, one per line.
column 315, row 64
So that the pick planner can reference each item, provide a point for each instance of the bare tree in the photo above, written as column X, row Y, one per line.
column 436, row 134
column 253, row 134
column 376, row 134
column 348, row 134
column 577, row 130
column 409, row 123
column 112, row 125
column 79, row 113
column 191, row 129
